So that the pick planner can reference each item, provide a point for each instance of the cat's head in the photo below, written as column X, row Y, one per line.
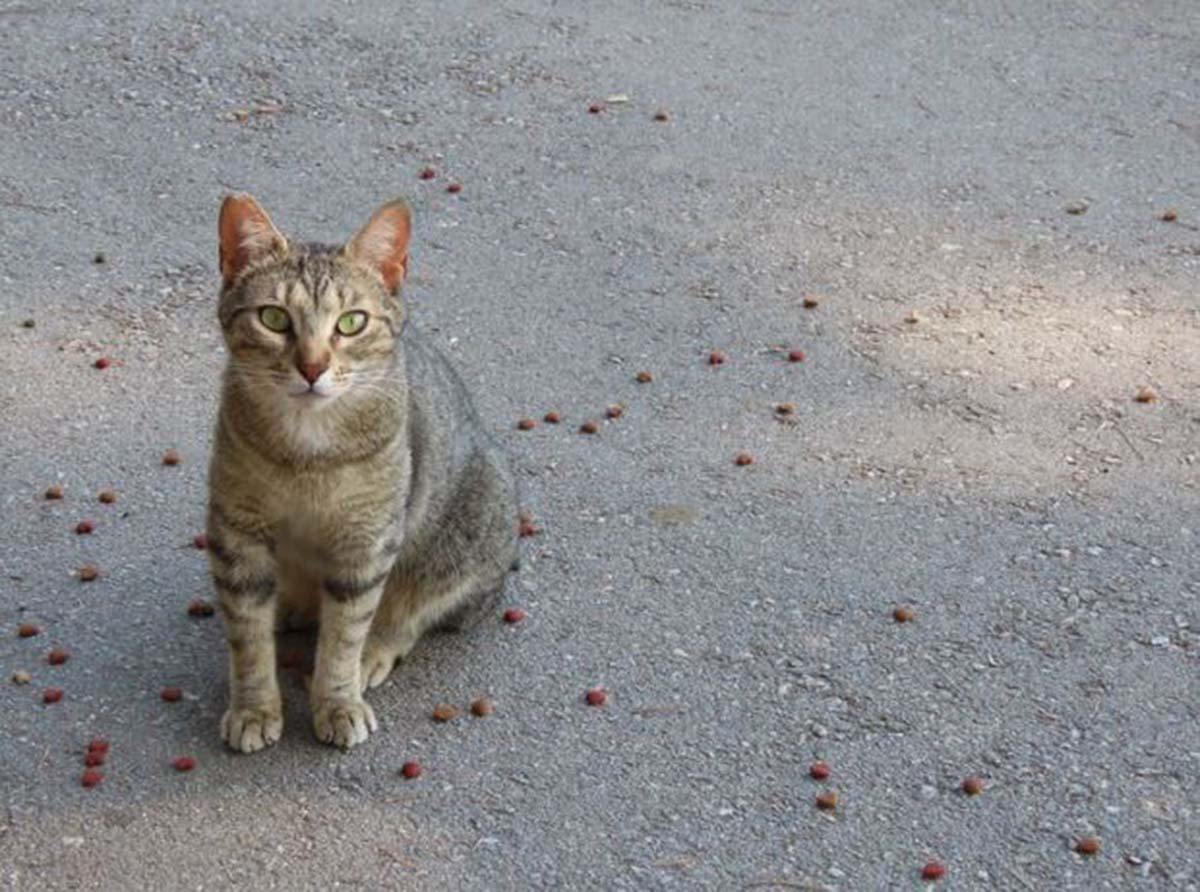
column 308, row 324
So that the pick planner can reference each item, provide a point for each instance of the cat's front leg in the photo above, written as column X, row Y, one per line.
column 245, row 577
column 349, row 598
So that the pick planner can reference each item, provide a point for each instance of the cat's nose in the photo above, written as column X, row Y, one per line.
column 312, row 370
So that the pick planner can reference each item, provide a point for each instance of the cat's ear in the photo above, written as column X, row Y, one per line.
column 246, row 234
column 382, row 244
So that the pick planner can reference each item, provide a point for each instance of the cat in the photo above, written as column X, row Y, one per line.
column 351, row 480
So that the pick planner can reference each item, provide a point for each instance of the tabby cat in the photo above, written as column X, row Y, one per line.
column 351, row 481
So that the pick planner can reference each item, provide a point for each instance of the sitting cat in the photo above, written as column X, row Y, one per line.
column 351, row 479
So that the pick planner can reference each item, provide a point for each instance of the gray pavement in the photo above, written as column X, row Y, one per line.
column 966, row 439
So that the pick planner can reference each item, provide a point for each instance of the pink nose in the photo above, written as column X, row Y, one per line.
column 312, row 370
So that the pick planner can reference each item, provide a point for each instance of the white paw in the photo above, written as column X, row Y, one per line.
column 344, row 723
column 250, row 729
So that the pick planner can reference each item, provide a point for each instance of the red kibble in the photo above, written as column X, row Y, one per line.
column 818, row 771
column 742, row 459
column 1146, row 395
column 171, row 458
column 54, row 493
column 427, row 173
column 107, row 496
column 28, row 630
column 200, row 607
column 200, row 541
column 526, row 529
column 482, row 706
column 614, row 411
column 91, row 779
column 94, row 759
column 588, row 427
column 52, row 695
column 444, row 712
column 1169, row 216
column 827, row 801
column 102, row 363
column 526, row 424
column 514, row 615
column 88, row 573
column 933, row 871
column 811, row 303
column 596, row 697
column 454, row 188
column 785, row 408
column 97, row 745
column 551, row 418
column 84, row 528
column 795, row 356
column 1088, row 845
column 903, row 614
column 291, row 659
column 643, row 377
column 172, row 695
column 411, row 770
column 661, row 116
column 183, row 763
column 972, row 786
column 57, row 657
column 595, row 108
column 717, row 357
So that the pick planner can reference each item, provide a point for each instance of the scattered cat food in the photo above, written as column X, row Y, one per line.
column 444, row 712
column 454, row 188
column 526, row 424
column 427, row 173
column 912, row 317
column 84, row 528
column 972, row 786
column 796, row 356
column 57, row 657
column 595, row 697
column 172, row 695
column 595, row 108
column 482, row 706
column 171, row 458
column 810, row 302
column 107, row 496
column 91, row 779
column 717, row 357
column 818, row 771
column 183, row 763
column 97, row 745
column 1087, row 845
column 932, row 871
column 526, row 528
column 20, row 676
column 551, row 417
column 1170, row 215
column 903, row 614
column 785, row 408
column 828, row 800
column 200, row 607
column 28, row 630
column 291, row 659
column 54, row 493
column 200, row 541
column 614, row 411
column 588, row 427
column 1076, row 208
column 662, row 115
column 52, row 695
column 88, row 573
column 102, row 363
column 99, row 258
column 1146, row 395
column 514, row 615
column 94, row 758
column 29, row 323
column 643, row 377
column 411, row 770
column 742, row 459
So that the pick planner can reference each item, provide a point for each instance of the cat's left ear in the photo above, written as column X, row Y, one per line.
column 382, row 244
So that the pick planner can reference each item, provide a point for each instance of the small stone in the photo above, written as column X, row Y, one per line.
column 1087, row 845
column 717, row 357
column 102, row 363
column 742, row 459
column 796, row 356
column 28, row 630
column 1170, row 215
column 107, row 496
column 200, row 607
column 91, row 779
column 819, row 771
column 54, row 493
column 57, row 657
column 912, row 318
column 200, row 541
column 932, row 871
column 903, row 614
column 1146, row 395
column 596, row 697
column 20, row 676
column 785, row 408
column 88, row 573
column 52, row 695
column 828, row 800
column 643, row 377
column 183, row 763
column 526, row 424
column 810, row 302
column 172, row 695
column 454, row 188
column 171, row 458
column 551, row 417
column 99, row 258
column 1076, row 208
column 411, row 770
column 84, row 527
column 614, row 411
column 514, row 615
column 972, row 786
column 29, row 323
column 444, row 712
column 482, row 706
column 588, row 427
column 662, row 115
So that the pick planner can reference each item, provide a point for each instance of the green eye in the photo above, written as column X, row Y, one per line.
column 351, row 323
column 275, row 318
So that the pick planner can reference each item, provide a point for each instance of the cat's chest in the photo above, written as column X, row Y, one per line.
column 319, row 513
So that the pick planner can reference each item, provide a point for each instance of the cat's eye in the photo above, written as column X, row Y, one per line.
column 275, row 318
column 352, row 323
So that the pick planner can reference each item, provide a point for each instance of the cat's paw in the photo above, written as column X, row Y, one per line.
column 249, row 729
column 342, row 722
column 378, row 660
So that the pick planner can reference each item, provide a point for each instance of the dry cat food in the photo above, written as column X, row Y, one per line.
column 291, row 659
column 1146, row 395
column 97, row 745
column 94, row 758
column 84, row 528
column 795, row 356
column 28, row 630
column 643, row 377
column 57, row 657
column 411, row 769
column 107, row 496
column 551, row 417
column 1088, row 845
column 88, row 573
column 482, row 706
column 614, row 411
column 52, row 695
column 526, row 528
column 827, row 801
column 200, row 541
column 596, row 697
column 1170, row 215
column 183, row 763
column 818, row 771
column 742, row 459
column 427, row 173
column 595, row 108
column 444, row 712
column 661, row 115
column 200, row 607
column 102, row 363
column 932, row 871
column 588, row 427
column 454, row 188
column 171, row 458
column 526, row 424
column 54, row 493
column 785, row 408
column 902, row 614
column 172, row 695
column 717, row 357
column 514, row 615
column 810, row 302
column 91, row 779
column 972, row 786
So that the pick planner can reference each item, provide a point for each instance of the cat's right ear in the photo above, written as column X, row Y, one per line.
column 246, row 234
